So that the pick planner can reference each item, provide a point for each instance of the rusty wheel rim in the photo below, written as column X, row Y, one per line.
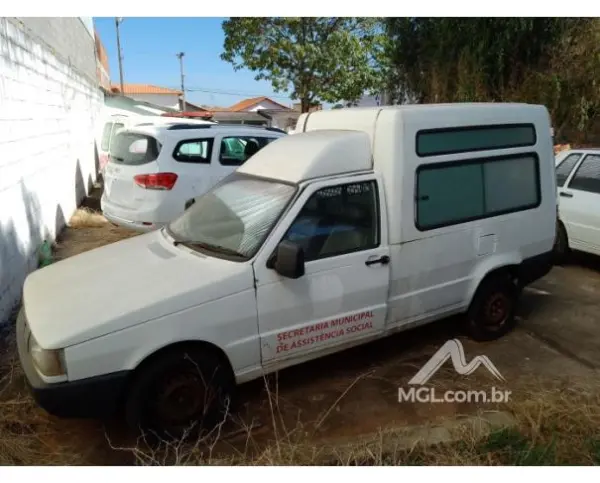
column 497, row 310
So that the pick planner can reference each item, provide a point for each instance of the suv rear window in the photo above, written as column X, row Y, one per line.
column 133, row 149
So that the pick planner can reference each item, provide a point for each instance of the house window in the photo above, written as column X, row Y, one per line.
column 337, row 220
column 194, row 151
column 458, row 192
column 437, row 142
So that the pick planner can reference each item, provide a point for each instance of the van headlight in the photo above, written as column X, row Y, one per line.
column 49, row 362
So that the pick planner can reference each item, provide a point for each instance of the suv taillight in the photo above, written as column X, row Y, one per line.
column 156, row 181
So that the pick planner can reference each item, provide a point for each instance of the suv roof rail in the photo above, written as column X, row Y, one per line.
column 174, row 127
column 180, row 126
column 275, row 129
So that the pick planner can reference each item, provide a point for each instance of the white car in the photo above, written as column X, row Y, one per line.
column 156, row 171
column 364, row 223
column 116, row 119
column 578, row 184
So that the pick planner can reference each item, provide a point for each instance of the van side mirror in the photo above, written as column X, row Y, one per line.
column 289, row 260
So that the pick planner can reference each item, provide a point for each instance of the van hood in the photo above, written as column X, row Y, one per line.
column 121, row 285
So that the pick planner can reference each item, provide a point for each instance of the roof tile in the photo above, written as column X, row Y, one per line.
column 144, row 89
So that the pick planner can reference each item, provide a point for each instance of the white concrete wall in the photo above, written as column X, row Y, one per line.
column 165, row 100
column 49, row 101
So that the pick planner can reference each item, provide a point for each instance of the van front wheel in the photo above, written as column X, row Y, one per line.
column 179, row 393
column 492, row 312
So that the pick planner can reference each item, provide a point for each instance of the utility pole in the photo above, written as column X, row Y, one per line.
column 180, row 55
column 118, row 21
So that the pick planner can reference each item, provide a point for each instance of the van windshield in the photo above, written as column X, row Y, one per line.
column 234, row 217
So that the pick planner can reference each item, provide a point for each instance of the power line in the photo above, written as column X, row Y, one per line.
column 231, row 93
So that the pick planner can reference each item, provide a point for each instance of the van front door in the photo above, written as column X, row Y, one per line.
column 342, row 297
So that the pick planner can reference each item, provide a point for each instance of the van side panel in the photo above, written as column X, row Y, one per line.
column 436, row 271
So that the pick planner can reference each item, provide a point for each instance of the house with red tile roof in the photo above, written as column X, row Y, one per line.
column 161, row 96
column 257, row 104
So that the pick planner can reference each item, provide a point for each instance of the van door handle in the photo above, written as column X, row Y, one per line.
column 384, row 260
column 566, row 195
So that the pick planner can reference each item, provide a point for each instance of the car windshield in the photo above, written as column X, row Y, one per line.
column 233, row 218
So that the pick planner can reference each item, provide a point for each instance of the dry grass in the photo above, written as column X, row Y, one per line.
column 87, row 218
column 555, row 425
column 87, row 230
column 26, row 438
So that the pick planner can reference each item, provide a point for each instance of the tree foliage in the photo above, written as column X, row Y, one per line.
column 316, row 59
column 552, row 61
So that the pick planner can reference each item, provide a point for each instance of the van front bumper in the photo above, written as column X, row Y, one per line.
column 94, row 397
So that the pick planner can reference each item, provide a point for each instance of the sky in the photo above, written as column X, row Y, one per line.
column 150, row 45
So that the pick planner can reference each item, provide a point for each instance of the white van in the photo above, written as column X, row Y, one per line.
column 365, row 222
column 156, row 171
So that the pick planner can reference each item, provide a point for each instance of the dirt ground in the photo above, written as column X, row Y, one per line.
column 354, row 393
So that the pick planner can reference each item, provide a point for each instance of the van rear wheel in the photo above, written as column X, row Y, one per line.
column 492, row 312
column 180, row 393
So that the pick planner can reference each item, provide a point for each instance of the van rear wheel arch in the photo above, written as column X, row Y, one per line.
column 491, row 313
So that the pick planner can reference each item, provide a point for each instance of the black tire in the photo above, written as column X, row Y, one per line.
column 561, row 248
column 180, row 393
column 492, row 311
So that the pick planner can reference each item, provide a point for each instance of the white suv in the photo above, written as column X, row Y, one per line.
column 154, row 172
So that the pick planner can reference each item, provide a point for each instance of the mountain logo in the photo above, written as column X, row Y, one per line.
column 453, row 350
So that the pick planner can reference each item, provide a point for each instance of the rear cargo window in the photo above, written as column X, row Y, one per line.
column 134, row 149
column 437, row 142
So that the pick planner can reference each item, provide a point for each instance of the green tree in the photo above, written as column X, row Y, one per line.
column 552, row 61
column 316, row 59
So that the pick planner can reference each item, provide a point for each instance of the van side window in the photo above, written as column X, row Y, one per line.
column 436, row 142
column 193, row 151
column 457, row 192
column 235, row 150
column 563, row 170
column 587, row 176
column 337, row 220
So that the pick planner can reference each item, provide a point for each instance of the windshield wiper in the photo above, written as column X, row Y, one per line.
column 210, row 247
